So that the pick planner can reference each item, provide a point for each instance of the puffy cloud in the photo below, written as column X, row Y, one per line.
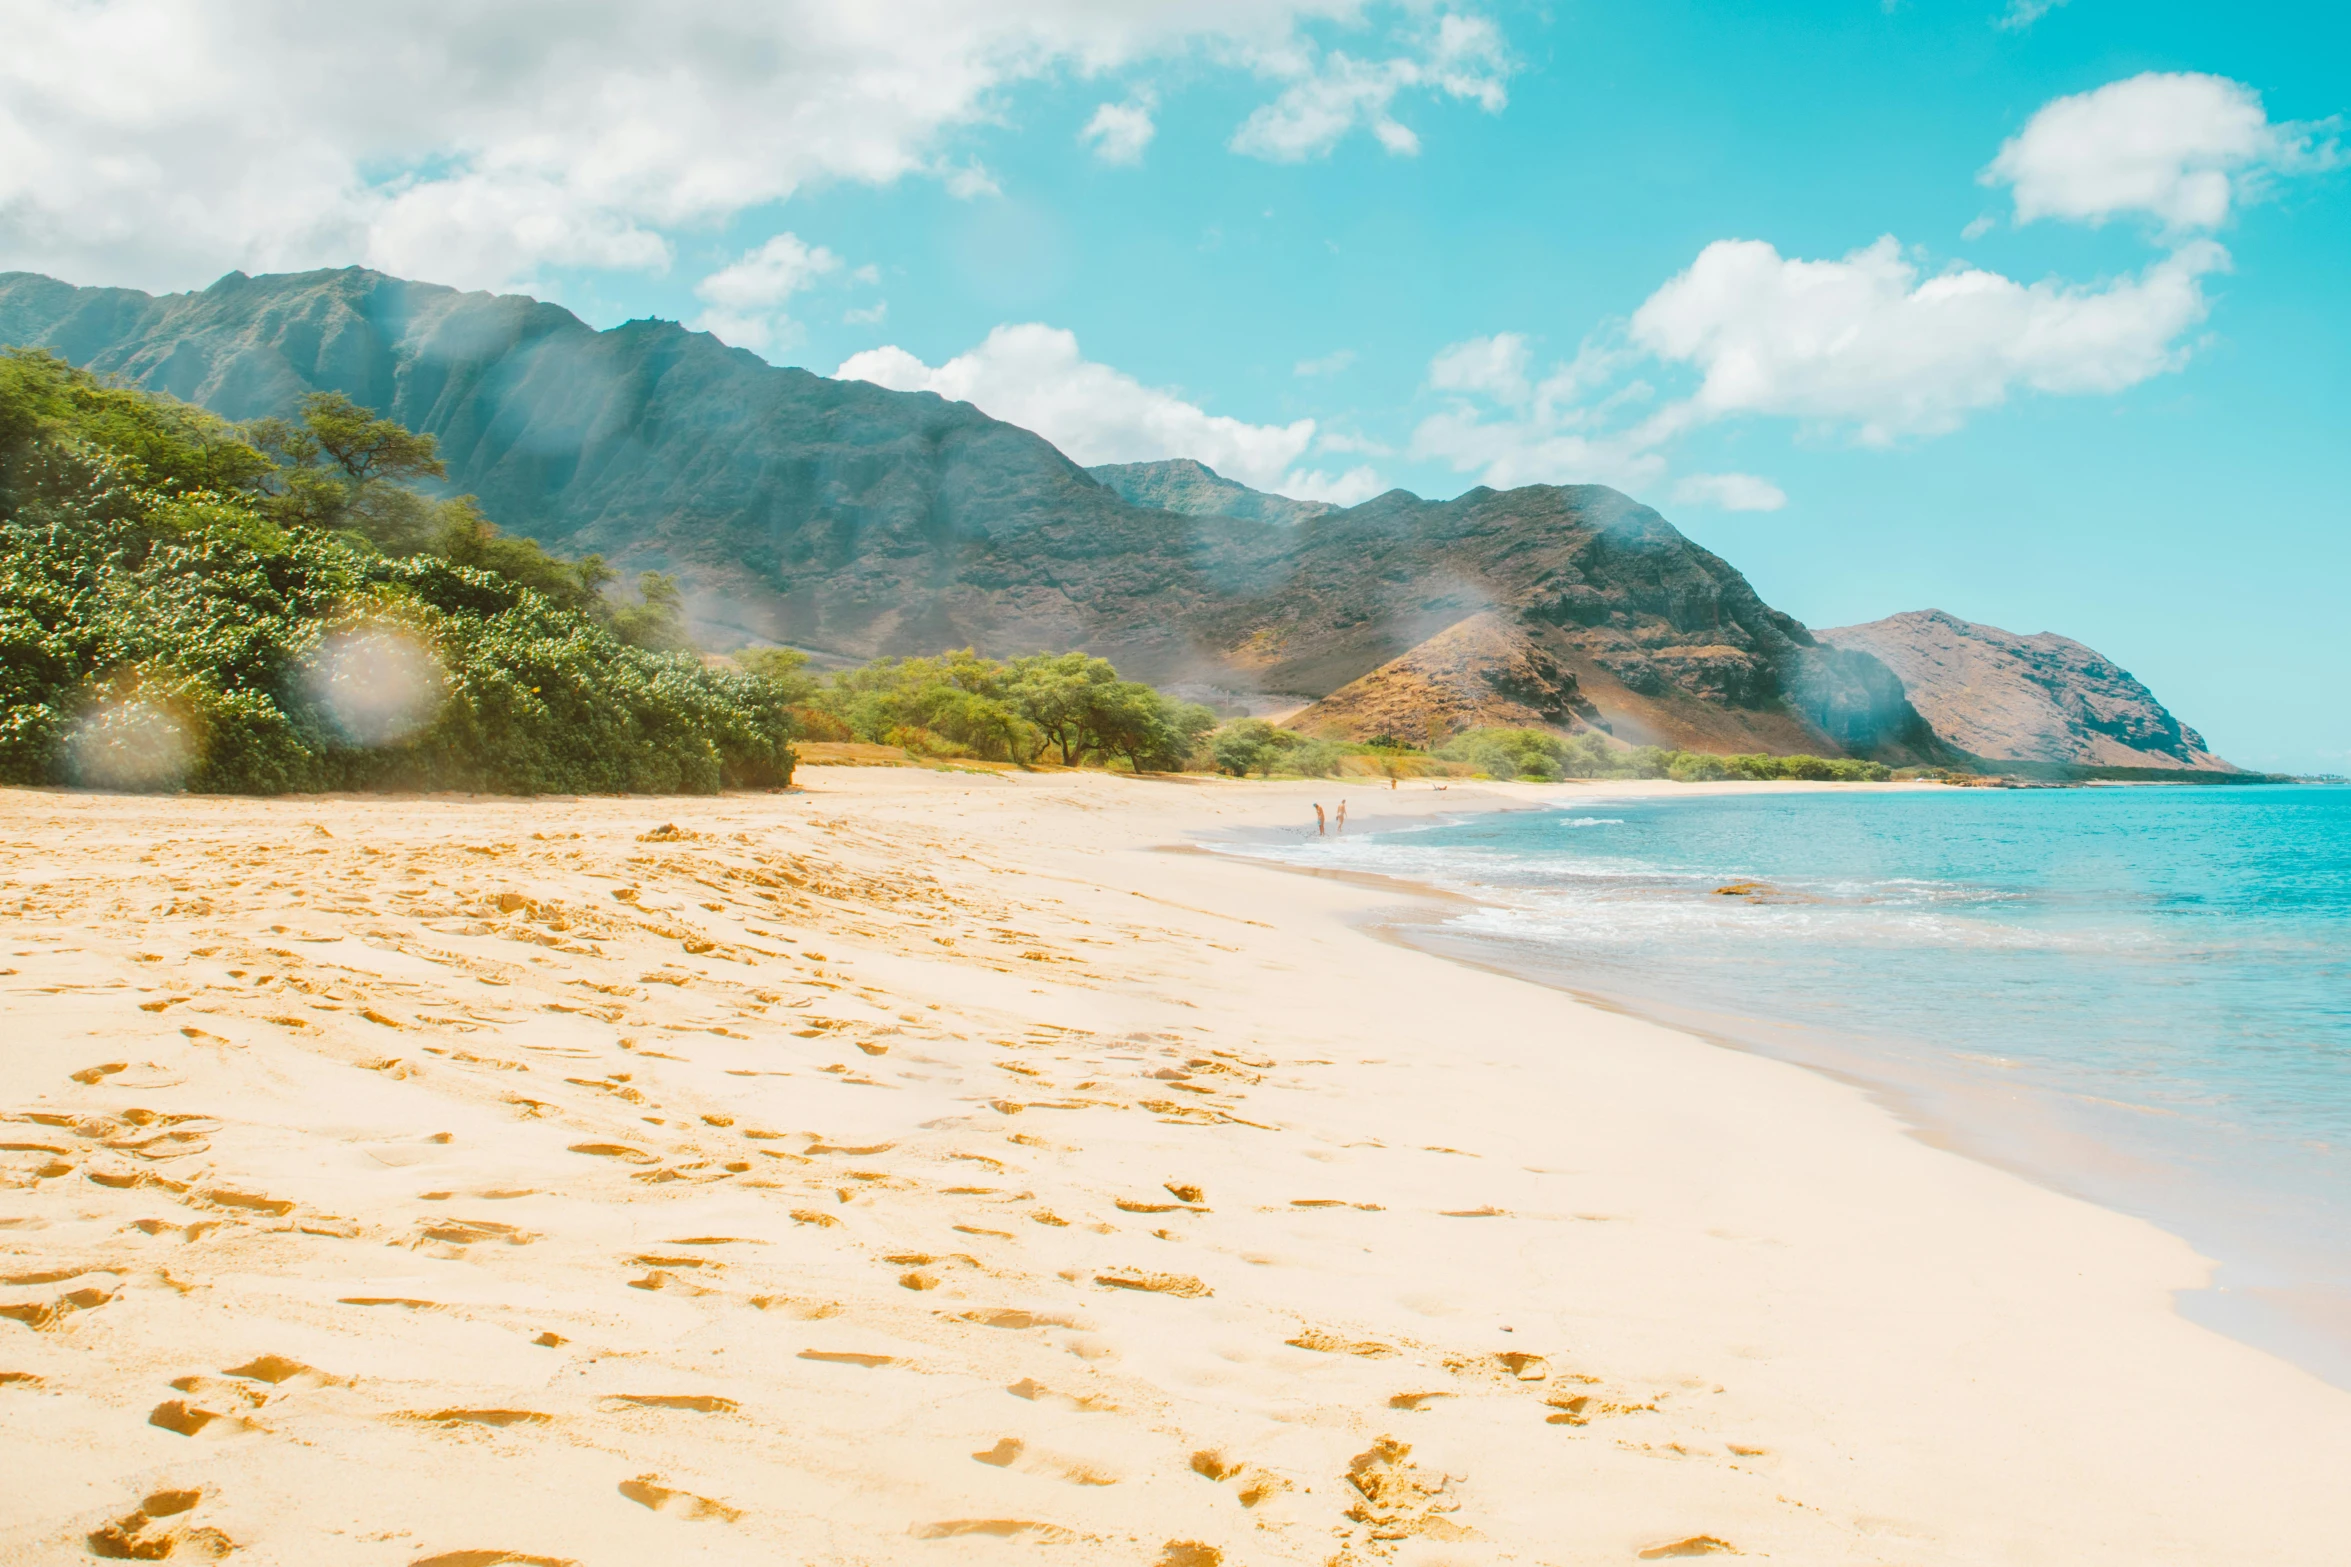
column 746, row 297
column 1866, row 341
column 1536, row 446
column 1033, row 375
column 1329, row 97
column 1119, row 132
column 159, row 142
column 1351, row 488
column 1494, row 366
column 1729, row 492
column 2181, row 147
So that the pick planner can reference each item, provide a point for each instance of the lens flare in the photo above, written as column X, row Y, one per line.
column 376, row 684
column 131, row 744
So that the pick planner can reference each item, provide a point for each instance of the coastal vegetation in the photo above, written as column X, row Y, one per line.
column 1059, row 706
column 279, row 607
column 1541, row 754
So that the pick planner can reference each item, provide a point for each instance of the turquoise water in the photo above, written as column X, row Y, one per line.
column 2142, row 996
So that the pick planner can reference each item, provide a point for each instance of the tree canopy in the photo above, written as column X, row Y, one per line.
column 181, row 607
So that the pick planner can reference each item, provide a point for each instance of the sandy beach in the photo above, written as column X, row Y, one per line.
column 954, row 1166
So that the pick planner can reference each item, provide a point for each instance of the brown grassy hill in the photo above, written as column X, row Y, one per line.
column 1483, row 672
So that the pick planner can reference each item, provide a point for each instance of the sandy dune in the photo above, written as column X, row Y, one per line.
column 924, row 1167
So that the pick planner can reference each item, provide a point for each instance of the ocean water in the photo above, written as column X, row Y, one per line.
column 2141, row 996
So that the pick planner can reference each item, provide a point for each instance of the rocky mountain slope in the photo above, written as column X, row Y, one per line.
column 2042, row 698
column 852, row 520
column 1179, row 484
column 1484, row 672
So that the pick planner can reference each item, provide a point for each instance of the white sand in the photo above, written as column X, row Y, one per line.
column 831, row 1199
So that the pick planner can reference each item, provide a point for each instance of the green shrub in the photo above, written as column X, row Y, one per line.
column 1542, row 755
column 961, row 704
column 156, row 631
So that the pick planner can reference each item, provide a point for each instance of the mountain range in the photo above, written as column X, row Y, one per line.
column 853, row 521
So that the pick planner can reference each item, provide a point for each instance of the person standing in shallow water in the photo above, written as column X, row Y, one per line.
column 1318, row 821
column 1342, row 822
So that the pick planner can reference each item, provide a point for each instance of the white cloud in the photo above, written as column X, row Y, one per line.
column 159, row 142
column 1863, row 344
column 1328, row 97
column 872, row 315
column 1729, row 492
column 746, row 297
column 2181, row 147
column 1033, row 375
column 2022, row 14
column 1119, row 132
column 1351, row 488
column 970, row 181
column 1869, row 345
column 1493, row 366
column 1866, row 342
column 769, row 275
column 1329, row 364
column 1541, row 446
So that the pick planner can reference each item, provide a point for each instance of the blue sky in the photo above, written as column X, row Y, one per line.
column 2090, row 379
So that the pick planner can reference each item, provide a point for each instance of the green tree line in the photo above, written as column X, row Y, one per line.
column 279, row 607
column 1070, row 707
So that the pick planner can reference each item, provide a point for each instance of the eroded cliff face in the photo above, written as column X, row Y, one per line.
column 854, row 521
column 2042, row 698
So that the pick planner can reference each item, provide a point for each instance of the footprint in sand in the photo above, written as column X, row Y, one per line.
column 1010, row 1451
column 274, row 1207
column 1016, row 1319
column 136, row 1537
column 647, row 1491
column 467, row 1232
column 1213, row 1465
column 186, row 1419
column 700, row 1403
column 1178, row 1284
column 1001, row 1528
column 388, row 1300
column 1331, row 1344
column 1414, row 1400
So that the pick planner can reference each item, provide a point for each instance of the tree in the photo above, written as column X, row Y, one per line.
column 657, row 621
column 1244, row 746
column 339, row 465
column 1061, row 694
column 1153, row 732
column 156, row 442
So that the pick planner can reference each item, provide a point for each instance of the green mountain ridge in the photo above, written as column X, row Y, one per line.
column 1192, row 488
column 853, row 521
